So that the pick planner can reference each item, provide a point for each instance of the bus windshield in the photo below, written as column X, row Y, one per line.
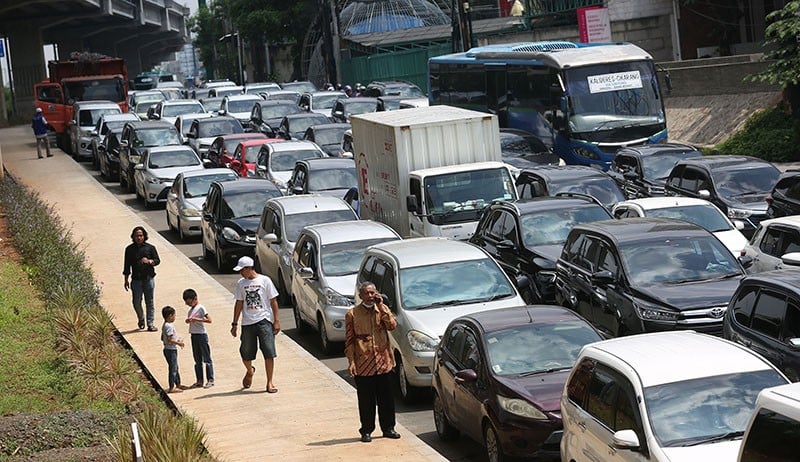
column 610, row 96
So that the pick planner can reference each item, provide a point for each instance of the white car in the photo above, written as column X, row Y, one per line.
column 239, row 106
column 186, row 196
column 324, row 265
column 698, row 211
column 184, row 121
column 281, row 222
column 170, row 110
column 774, row 239
column 774, row 428
column 159, row 166
column 428, row 282
column 276, row 161
column 673, row 396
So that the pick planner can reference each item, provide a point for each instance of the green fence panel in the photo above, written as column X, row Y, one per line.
column 409, row 65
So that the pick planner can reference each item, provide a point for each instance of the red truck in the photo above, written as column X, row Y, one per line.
column 83, row 77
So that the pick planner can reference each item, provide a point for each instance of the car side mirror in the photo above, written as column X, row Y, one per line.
column 271, row 238
column 738, row 224
column 412, row 204
column 704, row 194
column 791, row 259
column 155, row 116
column 305, row 273
column 625, row 439
column 93, row 133
column 630, row 175
column 208, row 217
column 297, row 190
column 603, row 277
column 746, row 261
column 221, row 112
column 506, row 245
column 466, row 376
column 794, row 342
column 138, row 167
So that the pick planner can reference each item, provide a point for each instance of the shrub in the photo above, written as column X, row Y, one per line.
column 769, row 134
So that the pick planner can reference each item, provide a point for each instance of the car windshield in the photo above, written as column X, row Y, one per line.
column 603, row 189
column 197, row 186
column 359, row 107
column 112, row 89
column 658, row 166
column 325, row 101
column 272, row 112
column 296, row 222
column 343, row 258
column 301, row 124
column 251, row 154
column 173, row 159
column 552, row 227
column 211, row 104
column 228, row 91
column 218, row 127
column 695, row 411
column 705, row 216
column 340, row 178
column 256, row 89
column 323, row 136
column 157, row 137
column 283, row 161
column 89, row 117
column 454, row 283
column 143, row 106
column 241, row 105
column 756, row 181
column 114, row 126
column 290, row 96
column 537, row 347
column 674, row 260
column 174, row 110
column 246, row 204
column 461, row 196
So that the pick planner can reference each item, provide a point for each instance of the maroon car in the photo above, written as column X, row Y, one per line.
column 499, row 374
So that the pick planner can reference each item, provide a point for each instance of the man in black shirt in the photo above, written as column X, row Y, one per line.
column 141, row 259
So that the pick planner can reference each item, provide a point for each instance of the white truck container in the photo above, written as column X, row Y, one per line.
column 429, row 171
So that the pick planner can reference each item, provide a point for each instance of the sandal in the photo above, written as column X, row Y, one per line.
column 272, row 390
column 248, row 378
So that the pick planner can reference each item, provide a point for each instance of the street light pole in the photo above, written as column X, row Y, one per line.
column 242, row 79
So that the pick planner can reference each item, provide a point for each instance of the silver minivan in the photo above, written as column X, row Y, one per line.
column 428, row 282
column 84, row 118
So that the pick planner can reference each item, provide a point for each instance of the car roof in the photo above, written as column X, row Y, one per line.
column 654, row 149
column 119, row 117
column 171, row 148
column 325, row 92
column 326, row 163
column 551, row 172
column 788, row 278
column 208, row 171
column 355, row 230
column 495, row 320
column 243, row 97
column 642, row 229
column 358, row 99
column 148, row 124
column 425, row 251
column 331, row 126
column 790, row 220
column 214, row 119
column 180, row 102
column 306, row 115
column 242, row 136
column 661, row 357
column 723, row 161
column 277, row 102
column 652, row 203
column 783, row 399
column 291, row 145
column 309, row 203
column 463, row 167
column 546, row 203
column 243, row 185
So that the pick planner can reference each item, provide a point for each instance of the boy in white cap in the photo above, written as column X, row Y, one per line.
column 257, row 304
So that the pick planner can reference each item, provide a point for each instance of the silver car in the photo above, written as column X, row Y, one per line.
column 281, row 222
column 324, row 267
column 153, row 177
column 186, row 196
column 276, row 161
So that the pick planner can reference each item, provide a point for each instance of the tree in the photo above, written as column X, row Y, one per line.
column 782, row 36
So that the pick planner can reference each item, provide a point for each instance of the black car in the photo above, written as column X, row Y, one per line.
column 108, row 155
column 327, row 136
column 392, row 88
column 231, row 214
column 764, row 315
column 344, row 108
column 646, row 275
column 642, row 171
column 135, row 138
column 294, row 126
column 330, row 176
column 267, row 115
column 785, row 197
column 526, row 238
column 738, row 185
column 549, row 180
column 523, row 149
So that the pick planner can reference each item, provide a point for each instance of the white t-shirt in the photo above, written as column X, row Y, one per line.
column 256, row 294
column 198, row 312
column 168, row 332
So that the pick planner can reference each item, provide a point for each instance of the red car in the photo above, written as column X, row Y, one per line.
column 220, row 153
column 250, row 148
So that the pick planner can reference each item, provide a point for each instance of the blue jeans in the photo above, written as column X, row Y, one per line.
column 144, row 288
column 201, row 351
column 172, row 365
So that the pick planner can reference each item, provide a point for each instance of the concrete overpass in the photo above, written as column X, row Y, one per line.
column 143, row 32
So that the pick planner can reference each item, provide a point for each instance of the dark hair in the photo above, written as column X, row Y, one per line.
column 167, row 311
column 139, row 228
column 364, row 285
column 189, row 294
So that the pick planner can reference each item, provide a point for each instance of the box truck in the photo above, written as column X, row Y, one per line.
column 429, row 171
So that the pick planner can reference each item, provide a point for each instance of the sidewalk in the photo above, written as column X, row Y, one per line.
column 314, row 415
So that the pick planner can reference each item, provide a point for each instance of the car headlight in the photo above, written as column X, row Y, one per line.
column 153, row 180
column 654, row 313
column 738, row 213
column 421, row 342
column 189, row 212
column 334, row 298
column 231, row 234
column 587, row 153
column 546, row 277
column 520, row 407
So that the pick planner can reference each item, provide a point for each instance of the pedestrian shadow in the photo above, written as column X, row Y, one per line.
column 237, row 392
column 335, row 442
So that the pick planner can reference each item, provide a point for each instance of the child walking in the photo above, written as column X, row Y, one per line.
column 201, row 350
column 171, row 343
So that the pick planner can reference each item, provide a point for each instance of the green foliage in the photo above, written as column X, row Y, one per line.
column 768, row 134
column 782, row 36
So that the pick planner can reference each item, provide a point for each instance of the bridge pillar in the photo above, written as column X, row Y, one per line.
column 27, row 63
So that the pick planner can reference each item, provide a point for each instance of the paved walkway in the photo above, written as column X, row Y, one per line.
column 314, row 414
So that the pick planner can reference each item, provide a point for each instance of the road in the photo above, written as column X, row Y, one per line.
column 417, row 417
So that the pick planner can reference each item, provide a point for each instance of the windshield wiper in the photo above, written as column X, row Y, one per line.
column 544, row 371
column 748, row 193
column 716, row 438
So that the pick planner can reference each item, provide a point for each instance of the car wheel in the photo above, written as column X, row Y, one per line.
column 104, row 172
column 445, row 430
column 408, row 392
column 299, row 324
column 324, row 341
column 494, row 452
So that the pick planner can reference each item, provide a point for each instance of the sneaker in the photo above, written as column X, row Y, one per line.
column 152, row 329
column 197, row 385
column 209, row 384
column 141, row 325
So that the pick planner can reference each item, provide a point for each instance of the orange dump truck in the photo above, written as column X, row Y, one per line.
column 83, row 77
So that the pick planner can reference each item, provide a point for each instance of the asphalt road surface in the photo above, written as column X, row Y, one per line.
column 417, row 417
